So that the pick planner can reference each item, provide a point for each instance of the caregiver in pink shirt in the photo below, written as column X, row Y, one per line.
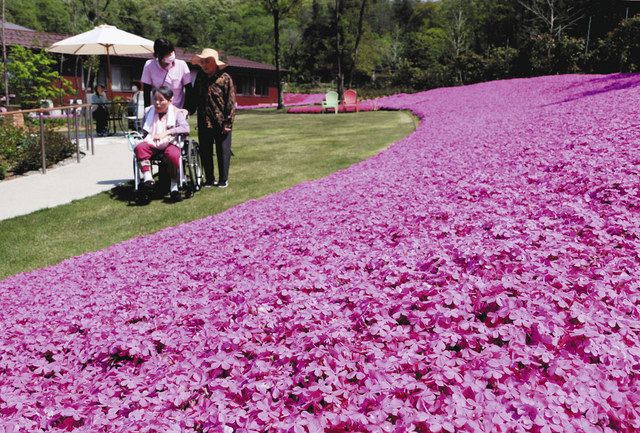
column 165, row 70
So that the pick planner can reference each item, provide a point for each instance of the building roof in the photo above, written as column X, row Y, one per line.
column 33, row 39
column 12, row 26
column 234, row 61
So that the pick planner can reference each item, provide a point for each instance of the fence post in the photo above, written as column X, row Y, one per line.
column 42, row 149
column 86, row 126
column 75, row 124
column 68, row 124
column 90, row 126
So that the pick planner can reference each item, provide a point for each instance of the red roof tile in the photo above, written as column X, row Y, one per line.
column 31, row 39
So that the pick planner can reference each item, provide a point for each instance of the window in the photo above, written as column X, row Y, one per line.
column 244, row 85
column 121, row 77
column 262, row 87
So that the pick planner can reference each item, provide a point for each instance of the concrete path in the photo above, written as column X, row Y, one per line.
column 110, row 166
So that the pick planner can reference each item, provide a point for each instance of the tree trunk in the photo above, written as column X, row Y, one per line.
column 276, row 46
column 363, row 6
column 5, row 72
column 340, row 84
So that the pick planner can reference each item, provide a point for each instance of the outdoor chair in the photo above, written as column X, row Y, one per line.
column 330, row 101
column 350, row 100
column 135, row 116
column 48, row 103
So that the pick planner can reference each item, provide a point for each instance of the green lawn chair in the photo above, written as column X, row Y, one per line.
column 330, row 101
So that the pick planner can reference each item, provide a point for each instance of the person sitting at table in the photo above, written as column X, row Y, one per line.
column 162, row 122
column 99, row 109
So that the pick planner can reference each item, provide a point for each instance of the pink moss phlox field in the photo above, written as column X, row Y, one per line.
column 480, row 275
column 290, row 100
column 367, row 105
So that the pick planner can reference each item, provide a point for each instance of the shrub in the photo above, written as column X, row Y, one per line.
column 20, row 149
column 620, row 50
column 499, row 62
column 549, row 55
column 32, row 77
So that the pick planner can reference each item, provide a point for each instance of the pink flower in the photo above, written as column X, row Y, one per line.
column 479, row 275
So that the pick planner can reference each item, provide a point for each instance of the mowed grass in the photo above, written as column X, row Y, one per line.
column 273, row 151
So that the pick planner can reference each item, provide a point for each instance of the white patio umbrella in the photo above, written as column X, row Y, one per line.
column 104, row 40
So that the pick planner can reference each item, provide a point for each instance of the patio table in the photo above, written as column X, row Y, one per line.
column 117, row 117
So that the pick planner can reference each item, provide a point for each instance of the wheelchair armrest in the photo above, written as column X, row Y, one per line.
column 133, row 138
column 181, row 139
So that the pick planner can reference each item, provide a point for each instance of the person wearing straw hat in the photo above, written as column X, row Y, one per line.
column 214, row 98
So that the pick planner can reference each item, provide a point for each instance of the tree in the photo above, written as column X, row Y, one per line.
column 278, row 9
column 458, row 16
column 183, row 22
column 313, row 58
column 32, row 78
column 551, row 16
column 620, row 50
column 247, row 32
column 354, row 60
column 338, row 11
column 41, row 15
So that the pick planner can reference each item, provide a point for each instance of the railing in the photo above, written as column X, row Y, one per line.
column 72, row 113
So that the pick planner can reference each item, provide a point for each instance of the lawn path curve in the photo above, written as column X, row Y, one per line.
column 480, row 275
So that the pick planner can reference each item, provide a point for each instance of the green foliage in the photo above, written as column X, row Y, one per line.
column 194, row 24
column 20, row 150
column 248, row 33
column 496, row 63
column 13, row 141
column 425, row 64
column 312, row 60
column 620, row 50
column 273, row 151
column 499, row 62
column 403, row 42
column 31, row 76
column 42, row 15
column 556, row 56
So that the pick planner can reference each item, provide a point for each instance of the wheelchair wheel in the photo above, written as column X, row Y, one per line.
column 142, row 197
column 194, row 168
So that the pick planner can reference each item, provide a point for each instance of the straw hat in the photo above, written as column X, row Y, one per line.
column 205, row 54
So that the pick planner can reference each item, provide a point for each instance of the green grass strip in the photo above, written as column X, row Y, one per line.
column 273, row 151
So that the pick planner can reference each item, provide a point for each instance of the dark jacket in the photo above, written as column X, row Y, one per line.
column 214, row 98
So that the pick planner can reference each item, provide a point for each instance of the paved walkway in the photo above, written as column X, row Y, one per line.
column 110, row 166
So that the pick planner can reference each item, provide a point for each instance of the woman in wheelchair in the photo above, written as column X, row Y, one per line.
column 163, row 122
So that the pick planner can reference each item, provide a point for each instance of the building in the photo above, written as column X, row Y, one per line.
column 255, row 82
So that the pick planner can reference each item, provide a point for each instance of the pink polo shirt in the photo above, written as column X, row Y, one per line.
column 176, row 78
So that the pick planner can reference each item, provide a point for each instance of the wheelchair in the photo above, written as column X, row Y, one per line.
column 191, row 176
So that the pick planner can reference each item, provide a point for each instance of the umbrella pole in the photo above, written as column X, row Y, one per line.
column 109, row 92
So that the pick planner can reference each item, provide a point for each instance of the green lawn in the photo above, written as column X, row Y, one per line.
column 273, row 151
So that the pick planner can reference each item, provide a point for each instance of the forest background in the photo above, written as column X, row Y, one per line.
column 379, row 45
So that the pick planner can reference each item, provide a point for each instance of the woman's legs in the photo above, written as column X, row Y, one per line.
column 172, row 156
column 144, row 151
column 223, row 154
column 100, row 116
column 207, row 138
